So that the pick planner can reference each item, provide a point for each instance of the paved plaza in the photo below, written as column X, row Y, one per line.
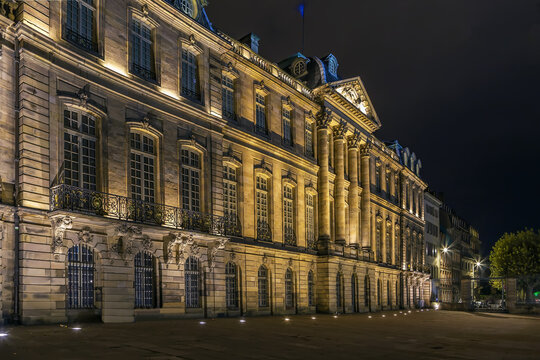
column 417, row 335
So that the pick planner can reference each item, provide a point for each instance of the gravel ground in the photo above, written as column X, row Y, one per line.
column 417, row 335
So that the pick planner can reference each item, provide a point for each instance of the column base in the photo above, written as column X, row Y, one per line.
column 341, row 242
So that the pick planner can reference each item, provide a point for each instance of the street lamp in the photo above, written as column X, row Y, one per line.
column 445, row 250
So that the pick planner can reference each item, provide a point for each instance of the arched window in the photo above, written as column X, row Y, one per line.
column 311, row 289
column 389, row 299
column 80, row 277
column 367, row 291
column 354, row 292
column 231, row 285
column 186, row 6
column 263, row 287
column 289, row 289
column 144, row 281
column 379, row 292
column 192, row 280
column 191, row 179
column 339, row 291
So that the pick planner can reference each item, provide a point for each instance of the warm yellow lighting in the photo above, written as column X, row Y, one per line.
column 117, row 69
column 478, row 263
column 445, row 250
column 170, row 93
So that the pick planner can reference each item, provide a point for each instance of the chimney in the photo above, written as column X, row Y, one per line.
column 252, row 40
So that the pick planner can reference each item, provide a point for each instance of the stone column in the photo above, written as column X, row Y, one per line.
column 352, row 145
column 323, row 120
column 339, row 185
column 366, row 191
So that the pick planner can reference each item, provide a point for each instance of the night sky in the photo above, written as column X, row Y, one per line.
column 458, row 82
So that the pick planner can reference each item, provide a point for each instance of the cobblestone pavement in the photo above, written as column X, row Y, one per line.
column 417, row 335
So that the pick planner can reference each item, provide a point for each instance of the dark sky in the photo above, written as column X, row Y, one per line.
column 456, row 81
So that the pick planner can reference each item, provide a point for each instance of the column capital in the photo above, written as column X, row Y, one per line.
column 365, row 149
column 353, row 141
column 339, row 131
column 323, row 118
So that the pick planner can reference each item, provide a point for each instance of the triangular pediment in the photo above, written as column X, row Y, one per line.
column 354, row 92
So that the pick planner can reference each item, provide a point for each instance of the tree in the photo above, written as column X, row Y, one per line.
column 517, row 255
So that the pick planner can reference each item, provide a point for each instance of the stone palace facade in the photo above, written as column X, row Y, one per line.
column 152, row 166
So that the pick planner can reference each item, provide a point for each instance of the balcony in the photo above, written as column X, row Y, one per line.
column 88, row 202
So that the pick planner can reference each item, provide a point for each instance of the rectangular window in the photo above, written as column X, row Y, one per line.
column 142, row 57
column 287, row 129
column 288, row 216
column 191, row 180
column 80, row 150
column 378, row 178
column 190, row 77
column 261, row 203
column 230, row 192
column 142, row 168
column 260, row 109
column 310, row 221
column 80, row 24
column 309, row 139
column 227, row 101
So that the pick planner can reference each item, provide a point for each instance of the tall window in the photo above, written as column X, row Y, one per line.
column 231, row 286
column 354, row 293
column 227, row 100
column 80, row 27
column 144, row 281
column 311, row 289
column 378, row 177
column 80, row 277
column 142, row 167
column 263, row 287
column 396, row 187
column 142, row 57
column 289, row 289
column 230, row 192
column 397, row 252
column 80, row 150
column 260, row 113
column 339, row 291
column 309, row 139
column 388, row 240
column 310, row 221
column 287, row 129
column 367, row 291
column 192, row 281
column 191, row 180
column 261, row 199
column 379, row 292
column 389, row 302
column 190, row 76
column 288, row 215
column 378, row 234
column 397, row 294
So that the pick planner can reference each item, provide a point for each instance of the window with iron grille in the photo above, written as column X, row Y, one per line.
column 379, row 292
column 80, row 150
column 260, row 112
column 231, row 286
column 310, row 220
column 367, row 290
column 289, row 289
column 80, row 277
column 80, row 26
column 354, row 291
column 261, row 200
column 309, row 139
column 190, row 76
column 144, row 281
column 191, row 180
column 339, row 291
column 192, row 282
column 311, row 289
column 388, row 295
column 287, row 128
column 288, row 215
column 142, row 167
column 263, row 287
column 397, row 293
column 142, row 55
column 230, row 198
column 378, row 178
column 227, row 100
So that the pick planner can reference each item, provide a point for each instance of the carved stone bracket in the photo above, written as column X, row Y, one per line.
column 184, row 243
column 84, row 94
column 125, row 246
column 213, row 251
column 60, row 224
column 84, row 237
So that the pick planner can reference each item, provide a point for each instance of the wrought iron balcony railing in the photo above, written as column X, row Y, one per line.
column 74, row 199
column 81, row 41
column 190, row 94
column 264, row 233
column 143, row 72
column 289, row 236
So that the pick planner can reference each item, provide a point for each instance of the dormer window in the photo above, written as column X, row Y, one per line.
column 332, row 65
column 299, row 68
column 186, row 6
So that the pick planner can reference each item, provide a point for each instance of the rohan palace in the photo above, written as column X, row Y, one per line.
column 152, row 166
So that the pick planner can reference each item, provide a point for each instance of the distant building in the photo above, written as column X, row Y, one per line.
column 432, row 235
